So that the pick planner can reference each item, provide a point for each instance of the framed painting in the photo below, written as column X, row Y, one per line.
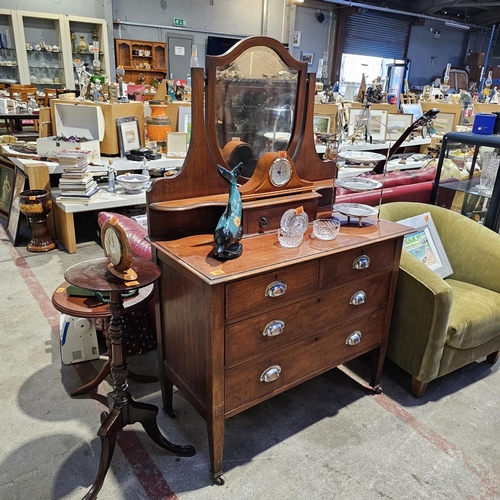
column 412, row 109
column 321, row 124
column 128, row 133
column 296, row 38
column 308, row 57
column 425, row 244
column 15, row 212
column 396, row 125
column 6, row 188
column 377, row 123
column 443, row 123
column 184, row 121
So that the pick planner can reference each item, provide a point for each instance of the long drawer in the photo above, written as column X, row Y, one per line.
column 278, row 328
column 271, row 289
column 247, row 383
column 357, row 263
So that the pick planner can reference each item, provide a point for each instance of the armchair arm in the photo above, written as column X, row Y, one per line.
column 420, row 319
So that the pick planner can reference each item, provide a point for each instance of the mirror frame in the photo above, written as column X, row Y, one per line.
column 230, row 56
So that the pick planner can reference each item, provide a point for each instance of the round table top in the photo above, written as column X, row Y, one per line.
column 92, row 307
column 94, row 275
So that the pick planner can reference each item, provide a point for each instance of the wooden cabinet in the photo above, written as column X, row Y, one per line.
column 229, row 341
column 138, row 56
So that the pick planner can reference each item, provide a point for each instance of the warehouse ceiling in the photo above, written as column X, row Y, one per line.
column 473, row 12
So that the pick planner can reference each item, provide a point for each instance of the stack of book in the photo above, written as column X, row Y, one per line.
column 76, row 183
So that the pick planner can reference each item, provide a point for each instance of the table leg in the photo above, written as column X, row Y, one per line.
column 85, row 389
column 123, row 410
column 65, row 228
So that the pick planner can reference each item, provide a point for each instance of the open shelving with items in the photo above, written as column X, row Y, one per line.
column 139, row 56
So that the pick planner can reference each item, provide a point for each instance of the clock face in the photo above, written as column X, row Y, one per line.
column 280, row 172
column 112, row 245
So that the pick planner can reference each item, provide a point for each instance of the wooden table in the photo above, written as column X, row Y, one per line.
column 93, row 308
column 123, row 410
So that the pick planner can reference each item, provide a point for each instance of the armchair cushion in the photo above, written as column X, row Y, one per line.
column 474, row 317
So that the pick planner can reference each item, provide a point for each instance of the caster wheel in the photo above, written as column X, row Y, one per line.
column 377, row 389
column 220, row 480
column 104, row 416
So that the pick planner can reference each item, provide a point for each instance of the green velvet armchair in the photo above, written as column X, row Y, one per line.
column 439, row 325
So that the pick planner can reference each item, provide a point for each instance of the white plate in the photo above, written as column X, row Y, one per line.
column 278, row 136
column 361, row 156
column 355, row 209
column 357, row 184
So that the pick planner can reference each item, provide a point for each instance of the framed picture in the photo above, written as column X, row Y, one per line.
column 412, row 109
column 184, row 121
column 308, row 57
column 176, row 144
column 15, row 212
column 297, row 35
column 396, row 125
column 425, row 244
column 443, row 123
column 377, row 123
column 128, row 133
column 6, row 188
column 321, row 124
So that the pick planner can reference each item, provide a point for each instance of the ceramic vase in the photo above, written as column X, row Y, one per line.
column 36, row 204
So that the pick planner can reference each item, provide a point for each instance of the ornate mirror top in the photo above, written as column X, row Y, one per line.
column 255, row 104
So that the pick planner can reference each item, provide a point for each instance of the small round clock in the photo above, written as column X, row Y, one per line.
column 117, row 247
column 280, row 172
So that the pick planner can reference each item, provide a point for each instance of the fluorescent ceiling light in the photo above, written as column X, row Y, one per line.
column 453, row 24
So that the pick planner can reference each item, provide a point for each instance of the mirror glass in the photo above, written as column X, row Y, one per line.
column 255, row 104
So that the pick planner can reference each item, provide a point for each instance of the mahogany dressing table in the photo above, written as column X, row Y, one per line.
column 234, row 333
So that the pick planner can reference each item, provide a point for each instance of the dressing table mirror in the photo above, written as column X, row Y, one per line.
column 256, row 103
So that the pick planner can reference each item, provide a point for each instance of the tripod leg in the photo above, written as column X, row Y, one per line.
column 146, row 415
column 84, row 389
column 107, row 432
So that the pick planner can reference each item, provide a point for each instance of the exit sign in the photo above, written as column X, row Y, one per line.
column 178, row 21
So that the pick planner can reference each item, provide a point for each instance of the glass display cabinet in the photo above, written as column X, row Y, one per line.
column 89, row 42
column 478, row 195
column 9, row 67
column 44, row 43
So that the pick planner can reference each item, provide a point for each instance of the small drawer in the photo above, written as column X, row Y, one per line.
column 278, row 328
column 246, row 384
column 356, row 263
column 270, row 289
column 261, row 219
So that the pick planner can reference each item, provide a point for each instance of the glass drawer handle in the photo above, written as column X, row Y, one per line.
column 358, row 298
column 275, row 289
column 354, row 338
column 361, row 262
column 274, row 328
column 271, row 374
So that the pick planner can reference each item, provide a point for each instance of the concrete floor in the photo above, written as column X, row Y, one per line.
column 330, row 438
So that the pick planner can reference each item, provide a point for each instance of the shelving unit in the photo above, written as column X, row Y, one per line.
column 138, row 56
column 9, row 67
column 36, row 47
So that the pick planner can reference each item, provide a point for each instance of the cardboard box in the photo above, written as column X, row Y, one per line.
column 70, row 120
